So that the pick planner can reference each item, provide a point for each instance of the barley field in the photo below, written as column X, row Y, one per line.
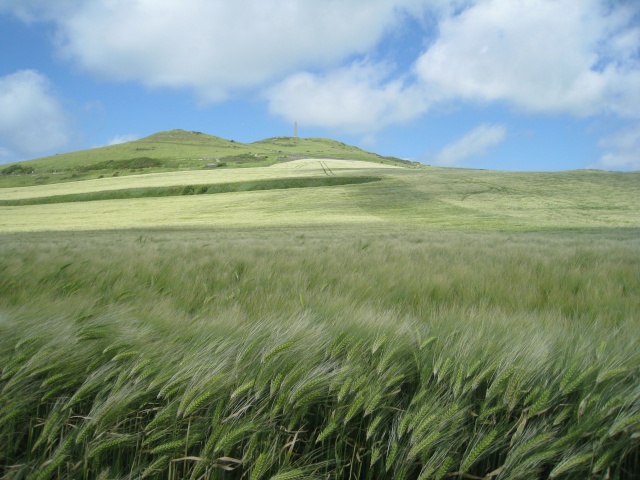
column 295, row 169
column 436, row 324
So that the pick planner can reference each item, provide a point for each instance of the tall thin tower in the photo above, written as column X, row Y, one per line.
column 295, row 129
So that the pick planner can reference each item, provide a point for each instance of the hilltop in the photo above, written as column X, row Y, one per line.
column 177, row 150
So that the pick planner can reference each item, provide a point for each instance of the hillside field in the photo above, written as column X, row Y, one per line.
column 321, row 318
column 178, row 150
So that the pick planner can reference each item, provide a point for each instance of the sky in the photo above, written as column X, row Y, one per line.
column 533, row 85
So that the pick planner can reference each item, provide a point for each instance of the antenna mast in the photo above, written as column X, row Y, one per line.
column 295, row 129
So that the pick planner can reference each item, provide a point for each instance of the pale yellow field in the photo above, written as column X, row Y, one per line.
column 314, row 206
column 297, row 168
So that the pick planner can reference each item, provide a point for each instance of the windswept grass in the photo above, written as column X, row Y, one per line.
column 308, row 353
column 437, row 324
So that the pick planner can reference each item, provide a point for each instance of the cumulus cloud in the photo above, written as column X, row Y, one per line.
column 215, row 47
column 32, row 120
column 474, row 143
column 540, row 56
column 560, row 56
column 544, row 56
column 622, row 149
column 356, row 99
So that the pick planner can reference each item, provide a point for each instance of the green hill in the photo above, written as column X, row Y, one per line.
column 176, row 150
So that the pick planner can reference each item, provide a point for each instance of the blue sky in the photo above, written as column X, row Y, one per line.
column 497, row 84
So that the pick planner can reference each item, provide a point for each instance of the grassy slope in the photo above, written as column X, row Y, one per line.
column 379, row 355
column 179, row 149
column 436, row 322
column 442, row 198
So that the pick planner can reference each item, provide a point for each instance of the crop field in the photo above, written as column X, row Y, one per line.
column 295, row 169
column 432, row 324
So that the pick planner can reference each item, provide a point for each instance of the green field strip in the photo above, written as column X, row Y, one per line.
column 177, row 190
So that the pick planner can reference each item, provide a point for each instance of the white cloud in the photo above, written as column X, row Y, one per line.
column 118, row 139
column 356, row 99
column 32, row 120
column 474, row 143
column 545, row 56
column 622, row 149
column 215, row 47
column 306, row 57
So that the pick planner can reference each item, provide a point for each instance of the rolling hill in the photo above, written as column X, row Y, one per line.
column 177, row 150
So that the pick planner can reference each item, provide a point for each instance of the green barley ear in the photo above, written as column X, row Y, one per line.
column 570, row 463
column 105, row 474
column 168, row 447
column 51, row 465
column 424, row 444
column 10, row 412
column 624, row 423
column 373, row 403
column 328, row 430
column 391, row 456
column 572, row 385
column 260, row 467
column 478, row 450
column 109, row 444
column 541, row 403
column 230, row 438
column 158, row 464
column 459, row 378
column 564, row 414
column 52, row 427
column 295, row 474
column 373, row 426
column 442, row 471
column 242, row 389
column 337, row 347
column 277, row 350
column 604, row 461
column 197, row 403
column 603, row 376
column 53, row 379
column 376, row 453
column 356, row 406
column 378, row 342
column 344, row 389
column 569, row 376
column 163, row 416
